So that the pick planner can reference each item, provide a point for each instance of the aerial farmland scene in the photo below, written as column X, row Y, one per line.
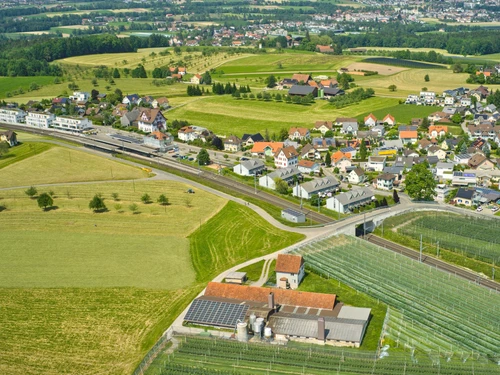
column 249, row 187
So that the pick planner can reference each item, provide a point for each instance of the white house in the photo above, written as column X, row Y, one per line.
column 389, row 120
column 308, row 166
column 249, row 167
column 12, row 115
column 286, row 174
column 323, row 126
column 444, row 171
column 349, row 125
column 462, row 159
column 151, row 120
column 289, row 271
column 80, row 96
column 196, row 79
column 190, row 133
column 72, row 123
column 299, row 133
column 436, row 151
column 40, row 119
column 286, row 157
column 377, row 163
column 323, row 185
column 370, row 120
column 465, row 102
column 356, row 176
column 386, row 181
column 346, row 202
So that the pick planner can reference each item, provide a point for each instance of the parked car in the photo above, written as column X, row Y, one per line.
column 494, row 209
column 479, row 209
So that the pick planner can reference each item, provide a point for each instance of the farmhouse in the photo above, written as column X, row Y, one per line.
column 249, row 167
column 162, row 103
column 346, row 202
column 197, row 79
column 289, row 271
column 285, row 314
column 301, row 78
column 297, row 90
column 323, row 185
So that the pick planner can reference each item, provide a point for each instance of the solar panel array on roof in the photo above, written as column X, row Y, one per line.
column 215, row 313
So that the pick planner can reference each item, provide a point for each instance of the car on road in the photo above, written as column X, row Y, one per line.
column 191, row 159
column 243, row 159
column 175, row 156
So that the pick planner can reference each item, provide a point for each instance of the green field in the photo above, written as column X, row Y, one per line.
column 226, row 115
column 22, row 151
column 254, row 270
column 224, row 242
column 87, row 293
column 9, row 84
column 58, row 164
column 403, row 113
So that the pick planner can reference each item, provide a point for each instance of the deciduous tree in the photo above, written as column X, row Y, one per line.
column 31, row 192
column 44, row 201
column 97, row 203
column 420, row 183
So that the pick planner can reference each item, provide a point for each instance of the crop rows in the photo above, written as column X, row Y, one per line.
column 211, row 354
column 476, row 238
column 436, row 307
column 403, row 63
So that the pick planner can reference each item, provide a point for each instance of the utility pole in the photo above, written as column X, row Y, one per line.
column 382, row 228
column 421, row 249
column 364, row 224
column 319, row 202
column 255, row 182
column 438, row 249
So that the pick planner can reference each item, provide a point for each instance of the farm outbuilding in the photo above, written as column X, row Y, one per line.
column 236, row 277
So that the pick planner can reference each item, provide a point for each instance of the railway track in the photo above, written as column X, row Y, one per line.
column 413, row 254
column 223, row 182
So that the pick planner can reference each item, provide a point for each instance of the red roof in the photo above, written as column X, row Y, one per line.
column 289, row 263
column 408, row 134
column 281, row 296
column 258, row 147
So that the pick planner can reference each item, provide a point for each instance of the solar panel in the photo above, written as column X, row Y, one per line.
column 215, row 313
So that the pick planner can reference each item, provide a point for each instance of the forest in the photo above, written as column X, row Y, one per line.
column 31, row 58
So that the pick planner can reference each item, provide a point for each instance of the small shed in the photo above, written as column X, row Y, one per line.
column 236, row 277
column 293, row 216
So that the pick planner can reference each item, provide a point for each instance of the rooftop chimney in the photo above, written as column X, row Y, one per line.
column 321, row 329
column 270, row 300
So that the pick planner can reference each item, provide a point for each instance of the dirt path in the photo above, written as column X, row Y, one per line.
column 265, row 273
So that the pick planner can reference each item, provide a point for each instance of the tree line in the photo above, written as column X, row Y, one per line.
column 31, row 58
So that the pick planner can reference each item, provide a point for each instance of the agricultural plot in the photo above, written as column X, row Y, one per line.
column 470, row 236
column 21, row 152
column 225, row 115
column 10, row 84
column 196, row 355
column 403, row 113
column 438, row 315
column 48, row 165
column 403, row 63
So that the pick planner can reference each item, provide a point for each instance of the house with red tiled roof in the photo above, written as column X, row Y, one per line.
column 324, row 49
column 265, row 148
column 437, row 131
column 289, row 271
column 390, row 120
column 370, row 120
column 304, row 78
column 197, row 79
column 323, row 126
column 299, row 133
column 286, row 157
column 341, row 160
column 408, row 136
column 308, row 166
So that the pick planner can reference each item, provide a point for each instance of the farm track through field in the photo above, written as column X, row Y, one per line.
column 439, row 264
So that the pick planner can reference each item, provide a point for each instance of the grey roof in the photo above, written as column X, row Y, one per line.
column 356, row 313
column 284, row 173
column 443, row 165
column 465, row 193
column 291, row 212
column 302, row 90
column 307, row 326
column 377, row 159
column 253, row 164
column 394, row 170
column 257, row 137
column 394, row 143
column 333, row 91
column 318, row 185
column 354, row 196
column 236, row 275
